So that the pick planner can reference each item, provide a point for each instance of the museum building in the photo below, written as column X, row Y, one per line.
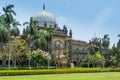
column 63, row 46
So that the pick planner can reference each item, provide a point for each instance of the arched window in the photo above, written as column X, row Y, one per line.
column 58, row 44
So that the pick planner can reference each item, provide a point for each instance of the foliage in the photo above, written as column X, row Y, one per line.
column 43, row 38
column 8, row 14
column 8, row 19
column 114, row 54
column 39, row 56
column 31, row 27
column 95, row 60
column 106, row 41
column 19, row 51
column 40, row 40
column 57, row 71
column 113, row 60
column 14, row 29
column 48, row 36
column 30, row 31
column 99, row 44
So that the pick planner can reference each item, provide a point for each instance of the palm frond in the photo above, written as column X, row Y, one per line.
column 13, row 12
column 25, row 23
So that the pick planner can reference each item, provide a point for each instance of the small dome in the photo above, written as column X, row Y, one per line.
column 45, row 17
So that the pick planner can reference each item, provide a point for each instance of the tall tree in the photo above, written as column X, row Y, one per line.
column 106, row 42
column 8, row 17
column 19, row 51
column 14, row 29
column 48, row 36
column 40, row 40
column 118, row 51
column 3, row 33
column 94, row 45
column 30, row 32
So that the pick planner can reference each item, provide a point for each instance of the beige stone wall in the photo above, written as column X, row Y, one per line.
column 59, row 52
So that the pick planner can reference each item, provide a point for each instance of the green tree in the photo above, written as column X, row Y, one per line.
column 115, row 53
column 95, row 60
column 106, row 43
column 48, row 36
column 39, row 57
column 3, row 33
column 118, row 48
column 95, row 45
column 113, row 61
column 19, row 51
column 40, row 40
column 100, row 59
column 86, row 60
column 8, row 18
column 14, row 30
column 30, row 32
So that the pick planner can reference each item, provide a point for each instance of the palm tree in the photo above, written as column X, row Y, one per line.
column 30, row 32
column 8, row 14
column 40, row 40
column 14, row 30
column 113, row 61
column 48, row 36
column 94, row 45
column 106, row 42
column 3, row 33
column 8, row 17
column 3, row 37
column 97, row 44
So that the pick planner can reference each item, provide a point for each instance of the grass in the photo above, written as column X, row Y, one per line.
column 73, row 76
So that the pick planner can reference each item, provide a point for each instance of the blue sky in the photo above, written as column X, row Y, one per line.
column 84, row 17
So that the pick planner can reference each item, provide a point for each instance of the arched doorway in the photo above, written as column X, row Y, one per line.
column 0, row 62
column 11, row 63
column 75, row 63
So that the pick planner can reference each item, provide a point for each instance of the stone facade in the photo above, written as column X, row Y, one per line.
column 63, row 47
column 66, row 49
column 61, row 42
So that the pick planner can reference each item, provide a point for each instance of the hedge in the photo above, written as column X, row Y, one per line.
column 27, row 68
column 56, row 71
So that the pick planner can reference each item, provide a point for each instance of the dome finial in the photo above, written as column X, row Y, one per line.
column 43, row 6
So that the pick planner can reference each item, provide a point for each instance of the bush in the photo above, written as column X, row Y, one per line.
column 115, row 70
column 27, row 68
column 56, row 71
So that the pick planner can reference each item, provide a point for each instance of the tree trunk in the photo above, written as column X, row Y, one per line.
column 9, row 54
column 2, row 51
column 1, row 47
column 48, row 65
column 29, row 46
column 15, row 63
column 88, row 64
column 37, row 65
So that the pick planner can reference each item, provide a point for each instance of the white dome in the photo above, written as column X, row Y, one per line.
column 45, row 17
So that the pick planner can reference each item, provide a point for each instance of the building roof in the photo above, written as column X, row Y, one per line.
column 45, row 17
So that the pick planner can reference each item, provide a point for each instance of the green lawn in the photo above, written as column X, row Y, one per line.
column 74, row 76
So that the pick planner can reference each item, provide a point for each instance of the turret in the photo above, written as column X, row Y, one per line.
column 70, row 33
column 43, row 6
column 65, row 29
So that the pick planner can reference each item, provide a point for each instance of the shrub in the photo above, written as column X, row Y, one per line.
column 56, row 71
